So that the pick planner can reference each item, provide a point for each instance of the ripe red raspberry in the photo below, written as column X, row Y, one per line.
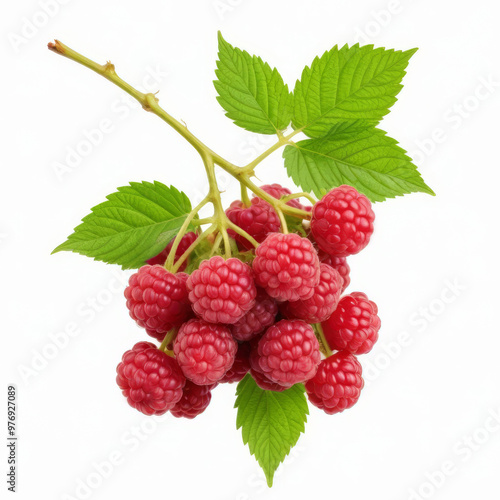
column 151, row 381
column 339, row 264
column 337, row 384
column 287, row 267
column 195, row 399
column 354, row 325
column 323, row 302
column 222, row 291
column 277, row 191
column 204, row 351
column 240, row 366
column 288, row 353
column 184, row 244
column 258, row 220
column 257, row 319
column 158, row 300
column 342, row 221
column 260, row 379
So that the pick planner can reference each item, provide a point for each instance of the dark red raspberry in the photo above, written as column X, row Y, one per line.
column 288, row 353
column 222, row 291
column 184, row 244
column 195, row 399
column 321, row 305
column 258, row 220
column 337, row 384
column 257, row 319
column 354, row 325
column 342, row 221
column 260, row 379
column 287, row 267
column 277, row 191
column 151, row 381
column 158, row 300
column 339, row 264
column 240, row 366
column 204, row 351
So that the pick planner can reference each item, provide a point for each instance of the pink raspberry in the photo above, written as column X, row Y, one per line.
column 184, row 244
column 277, row 191
column 342, row 221
column 323, row 302
column 260, row 379
column 240, row 366
column 288, row 353
column 258, row 220
column 222, row 291
column 158, row 300
column 195, row 399
column 354, row 325
column 257, row 319
column 204, row 351
column 287, row 267
column 337, row 384
column 339, row 264
column 151, row 381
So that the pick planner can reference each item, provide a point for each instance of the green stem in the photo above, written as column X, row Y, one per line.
column 169, row 337
column 243, row 233
column 244, row 196
column 293, row 196
column 284, row 225
column 282, row 140
column 148, row 101
column 182, row 231
column 191, row 247
column 319, row 329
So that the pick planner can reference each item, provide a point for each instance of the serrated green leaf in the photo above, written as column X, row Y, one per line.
column 251, row 92
column 369, row 160
column 133, row 225
column 348, row 84
column 271, row 422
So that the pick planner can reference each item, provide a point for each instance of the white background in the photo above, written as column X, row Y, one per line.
column 432, row 267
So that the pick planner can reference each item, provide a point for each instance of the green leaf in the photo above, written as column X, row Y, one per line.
column 271, row 422
column 369, row 160
column 348, row 84
column 136, row 223
column 251, row 92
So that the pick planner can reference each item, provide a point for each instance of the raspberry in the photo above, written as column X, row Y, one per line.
column 195, row 399
column 260, row 379
column 342, row 221
column 277, row 191
column 339, row 264
column 264, row 383
column 337, row 384
column 321, row 305
column 222, row 291
column 257, row 319
column 354, row 325
column 258, row 220
column 240, row 366
column 158, row 300
column 288, row 352
column 287, row 267
column 151, row 381
column 184, row 244
column 204, row 351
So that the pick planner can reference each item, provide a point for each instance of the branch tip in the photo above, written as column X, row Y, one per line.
column 56, row 46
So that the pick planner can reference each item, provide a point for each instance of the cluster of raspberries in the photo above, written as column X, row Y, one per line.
column 279, row 316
